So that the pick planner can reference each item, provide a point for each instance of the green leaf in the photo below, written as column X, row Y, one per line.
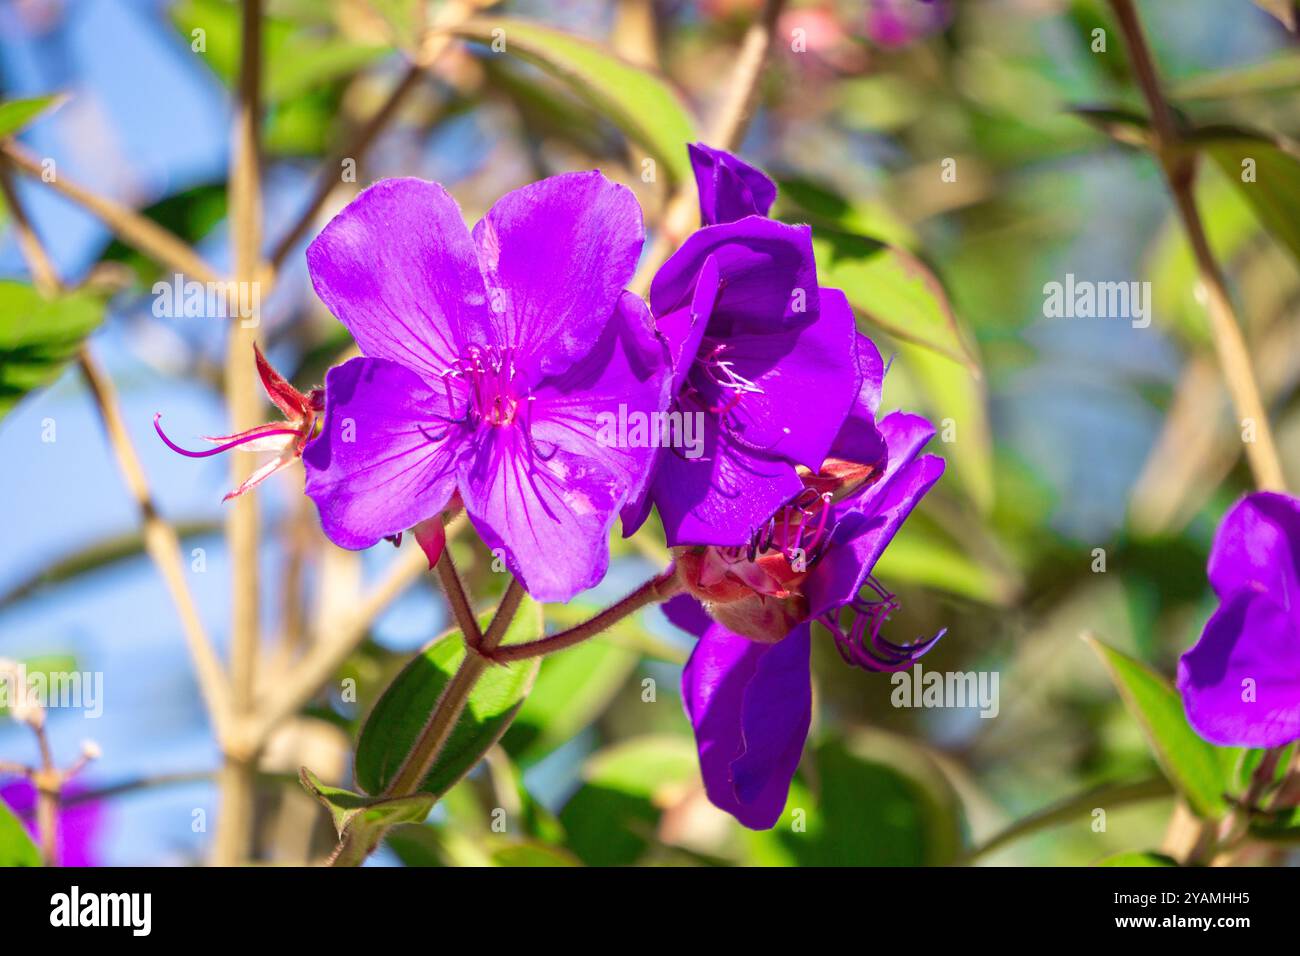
column 38, row 336
column 532, row 853
column 611, row 820
column 922, row 555
column 1279, row 74
column 1138, row 858
column 573, row 688
column 16, row 114
column 879, row 801
column 16, row 846
column 1197, row 768
column 893, row 290
column 400, row 714
column 641, row 103
column 1274, row 193
column 364, row 818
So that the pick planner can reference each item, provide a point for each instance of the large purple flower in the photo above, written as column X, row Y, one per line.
column 490, row 362
column 1241, row 681
column 746, row 686
column 762, row 359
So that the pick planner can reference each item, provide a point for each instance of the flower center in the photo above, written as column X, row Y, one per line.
column 798, row 532
column 489, row 372
column 715, row 383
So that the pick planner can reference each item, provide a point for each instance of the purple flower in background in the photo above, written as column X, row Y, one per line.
column 489, row 364
column 747, row 686
column 79, row 823
column 1241, row 681
column 762, row 361
column 897, row 23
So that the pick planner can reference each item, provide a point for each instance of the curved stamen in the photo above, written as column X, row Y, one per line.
column 242, row 439
column 863, row 646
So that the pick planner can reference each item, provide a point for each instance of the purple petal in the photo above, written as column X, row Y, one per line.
column 1252, row 639
column 1256, row 547
column 861, row 536
column 386, row 456
column 623, row 379
column 724, row 495
column 750, row 705
column 729, row 187
column 555, row 256
column 806, row 377
column 397, row 267
column 688, row 614
column 682, row 327
column 548, row 510
column 767, row 271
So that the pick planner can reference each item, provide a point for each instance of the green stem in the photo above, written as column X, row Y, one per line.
column 1108, row 795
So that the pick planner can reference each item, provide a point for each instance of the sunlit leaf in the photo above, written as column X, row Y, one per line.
column 362, row 818
column 1268, row 178
column 16, row 846
column 400, row 714
column 1194, row 766
column 38, row 336
column 16, row 114
column 638, row 101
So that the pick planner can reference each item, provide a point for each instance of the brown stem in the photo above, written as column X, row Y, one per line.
column 329, row 171
column 657, row 589
column 1234, row 357
column 235, row 822
column 457, row 599
column 135, row 230
column 1179, row 170
column 161, row 541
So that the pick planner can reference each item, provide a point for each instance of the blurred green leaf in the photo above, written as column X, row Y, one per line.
column 532, row 853
column 878, row 802
column 38, row 336
column 638, row 101
column 1272, row 186
column 922, row 555
column 363, row 817
column 1279, row 74
column 612, row 817
column 16, row 846
column 1194, row 766
column 296, row 60
column 894, row 291
column 15, row 114
column 573, row 688
column 1138, row 858
column 400, row 714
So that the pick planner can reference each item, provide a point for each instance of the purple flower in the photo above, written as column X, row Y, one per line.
column 489, row 364
column 1241, row 681
column 746, row 686
column 897, row 23
column 78, row 823
column 762, row 360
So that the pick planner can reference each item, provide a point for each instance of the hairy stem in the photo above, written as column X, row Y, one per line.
column 658, row 588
